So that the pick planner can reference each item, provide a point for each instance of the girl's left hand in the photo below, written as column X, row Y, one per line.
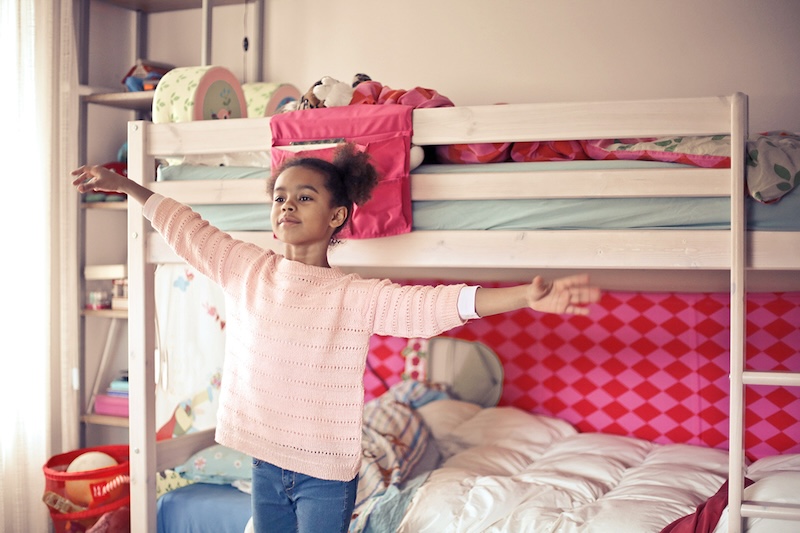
column 570, row 295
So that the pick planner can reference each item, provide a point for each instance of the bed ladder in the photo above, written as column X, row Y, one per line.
column 738, row 508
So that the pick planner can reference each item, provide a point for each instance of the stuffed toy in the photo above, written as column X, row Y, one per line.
column 333, row 93
column 330, row 92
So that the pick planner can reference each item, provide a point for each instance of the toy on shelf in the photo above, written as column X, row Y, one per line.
column 119, row 293
column 98, row 299
column 145, row 75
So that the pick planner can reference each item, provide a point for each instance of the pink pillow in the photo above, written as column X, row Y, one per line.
column 473, row 153
column 548, row 151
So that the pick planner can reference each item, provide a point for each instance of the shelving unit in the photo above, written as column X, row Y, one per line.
column 138, row 103
column 100, row 278
column 102, row 331
column 104, row 273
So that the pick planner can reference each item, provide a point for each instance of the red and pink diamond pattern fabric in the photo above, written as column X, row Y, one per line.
column 648, row 365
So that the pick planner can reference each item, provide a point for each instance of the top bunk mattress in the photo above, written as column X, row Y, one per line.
column 522, row 214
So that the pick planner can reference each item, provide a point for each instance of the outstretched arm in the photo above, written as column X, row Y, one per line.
column 99, row 178
column 570, row 295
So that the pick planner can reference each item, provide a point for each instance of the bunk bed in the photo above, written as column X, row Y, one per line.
column 733, row 258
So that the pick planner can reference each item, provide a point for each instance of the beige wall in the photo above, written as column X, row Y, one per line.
column 481, row 51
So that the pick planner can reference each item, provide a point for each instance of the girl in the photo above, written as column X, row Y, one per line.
column 298, row 331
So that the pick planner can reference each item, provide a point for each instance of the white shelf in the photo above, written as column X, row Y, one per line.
column 106, row 313
column 105, row 272
column 111, row 206
column 105, row 420
column 135, row 101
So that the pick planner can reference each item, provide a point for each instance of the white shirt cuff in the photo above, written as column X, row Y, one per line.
column 150, row 205
column 466, row 302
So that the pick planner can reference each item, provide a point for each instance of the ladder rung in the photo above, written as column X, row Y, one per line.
column 780, row 511
column 751, row 377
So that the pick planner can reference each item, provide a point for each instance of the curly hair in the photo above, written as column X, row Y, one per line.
column 350, row 177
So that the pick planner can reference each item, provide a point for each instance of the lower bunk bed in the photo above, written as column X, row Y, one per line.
column 434, row 464
column 723, row 253
column 442, row 444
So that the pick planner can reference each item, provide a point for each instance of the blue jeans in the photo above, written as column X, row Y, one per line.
column 288, row 502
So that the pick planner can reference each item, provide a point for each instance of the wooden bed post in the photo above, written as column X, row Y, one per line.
column 141, row 344
column 738, row 311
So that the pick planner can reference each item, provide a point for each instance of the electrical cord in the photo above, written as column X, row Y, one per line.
column 375, row 372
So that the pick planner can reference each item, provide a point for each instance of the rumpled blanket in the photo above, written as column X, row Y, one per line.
column 705, row 518
column 373, row 92
column 393, row 440
column 116, row 521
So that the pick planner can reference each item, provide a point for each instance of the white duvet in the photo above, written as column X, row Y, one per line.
column 506, row 470
column 503, row 470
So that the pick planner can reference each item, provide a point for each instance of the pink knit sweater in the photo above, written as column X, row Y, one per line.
column 296, row 345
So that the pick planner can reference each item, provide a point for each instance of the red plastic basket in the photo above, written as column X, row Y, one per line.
column 109, row 487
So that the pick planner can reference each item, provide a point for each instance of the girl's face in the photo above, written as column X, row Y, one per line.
column 302, row 213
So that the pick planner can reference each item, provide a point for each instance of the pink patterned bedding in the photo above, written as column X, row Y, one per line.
column 773, row 159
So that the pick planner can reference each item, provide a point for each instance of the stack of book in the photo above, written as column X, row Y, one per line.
column 115, row 401
column 119, row 294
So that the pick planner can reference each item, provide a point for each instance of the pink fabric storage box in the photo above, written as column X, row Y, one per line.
column 111, row 405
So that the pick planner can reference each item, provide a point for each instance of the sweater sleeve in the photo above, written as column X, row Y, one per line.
column 416, row 310
column 200, row 244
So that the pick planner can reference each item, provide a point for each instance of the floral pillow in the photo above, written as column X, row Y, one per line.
column 169, row 480
column 707, row 152
column 773, row 165
column 217, row 464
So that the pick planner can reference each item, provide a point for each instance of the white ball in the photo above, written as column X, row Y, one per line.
column 79, row 490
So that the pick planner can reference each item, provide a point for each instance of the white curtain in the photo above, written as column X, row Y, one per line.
column 38, row 415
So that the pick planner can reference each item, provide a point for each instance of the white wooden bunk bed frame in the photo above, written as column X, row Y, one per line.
column 709, row 260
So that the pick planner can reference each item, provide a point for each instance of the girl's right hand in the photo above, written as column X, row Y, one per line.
column 98, row 178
